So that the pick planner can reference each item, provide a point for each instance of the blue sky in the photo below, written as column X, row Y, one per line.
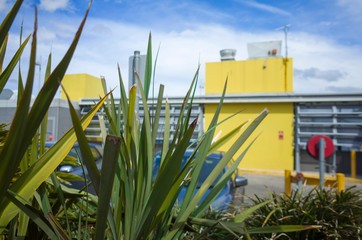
column 324, row 40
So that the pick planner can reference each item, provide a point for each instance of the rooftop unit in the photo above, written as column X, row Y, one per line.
column 227, row 54
column 270, row 49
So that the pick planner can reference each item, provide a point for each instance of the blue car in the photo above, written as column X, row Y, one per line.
column 227, row 193
column 97, row 153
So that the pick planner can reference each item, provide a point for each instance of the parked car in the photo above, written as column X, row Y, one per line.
column 97, row 153
column 227, row 193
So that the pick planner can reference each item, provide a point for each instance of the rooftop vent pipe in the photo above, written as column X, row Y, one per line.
column 227, row 54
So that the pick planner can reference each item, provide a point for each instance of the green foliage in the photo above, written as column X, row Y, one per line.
column 28, row 187
column 3, row 133
column 196, row 231
column 130, row 203
column 338, row 213
column 143, row 208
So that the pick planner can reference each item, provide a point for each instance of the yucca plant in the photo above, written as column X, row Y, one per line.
column 3, row 133
column 25, row 169
column 339, row 214
column 138, row 207
column 130, row 205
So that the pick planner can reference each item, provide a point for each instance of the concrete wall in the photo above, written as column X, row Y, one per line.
column 59, row 120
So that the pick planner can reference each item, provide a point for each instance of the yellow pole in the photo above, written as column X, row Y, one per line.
column 287, row 182
column 340, row 181
column 353, row 164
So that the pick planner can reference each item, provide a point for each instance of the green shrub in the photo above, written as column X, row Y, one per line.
column 193, row 231
column 25, row 174
column 338, row 213
column 129, row 205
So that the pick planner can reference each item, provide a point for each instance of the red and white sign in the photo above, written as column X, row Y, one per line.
column 313, row 146
column 281, row 135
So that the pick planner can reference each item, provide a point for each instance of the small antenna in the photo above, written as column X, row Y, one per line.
column 201, row 87
column 285, row 28
column 39, row 64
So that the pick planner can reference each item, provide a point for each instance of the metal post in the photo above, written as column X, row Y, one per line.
column 297, row 147
column 322, row 145
column 335, row 132
column 136, row 67
column 334, row 163
column 285, row 28
column 286, row 40
column 39, row 64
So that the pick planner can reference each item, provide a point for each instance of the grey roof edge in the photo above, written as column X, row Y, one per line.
column 55, row 103
column 259, row 98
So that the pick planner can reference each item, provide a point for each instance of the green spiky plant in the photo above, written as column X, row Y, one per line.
column 24, row 172
column 141, row 208
column 130, row 204
column 3, row 133
column 338, row 213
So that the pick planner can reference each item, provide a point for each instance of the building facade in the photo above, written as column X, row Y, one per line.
column 252, row 85
column 273, row 149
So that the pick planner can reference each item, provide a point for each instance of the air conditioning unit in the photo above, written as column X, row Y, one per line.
column 227, row 54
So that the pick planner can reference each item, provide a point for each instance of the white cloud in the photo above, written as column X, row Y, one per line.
column 53, row 5
column 181, row 51
column 330, row 75
column 353, row 8
column 344, row 89
column 265, row 7
column 104, row 43
column 45, row 34
column 313, row 51
column 3, row 5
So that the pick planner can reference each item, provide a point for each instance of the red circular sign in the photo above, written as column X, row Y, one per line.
column 313, row 146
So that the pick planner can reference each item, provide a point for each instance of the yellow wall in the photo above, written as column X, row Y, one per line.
column 82, row 86
column 268, row 152
column 250, row 76
column 256, row 76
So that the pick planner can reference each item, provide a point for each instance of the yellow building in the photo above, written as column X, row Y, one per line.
column 250, row 76
column 273, row 150
column 81, row 86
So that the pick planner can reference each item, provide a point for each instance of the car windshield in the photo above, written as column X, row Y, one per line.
column 75, row 152
column 209, row 165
